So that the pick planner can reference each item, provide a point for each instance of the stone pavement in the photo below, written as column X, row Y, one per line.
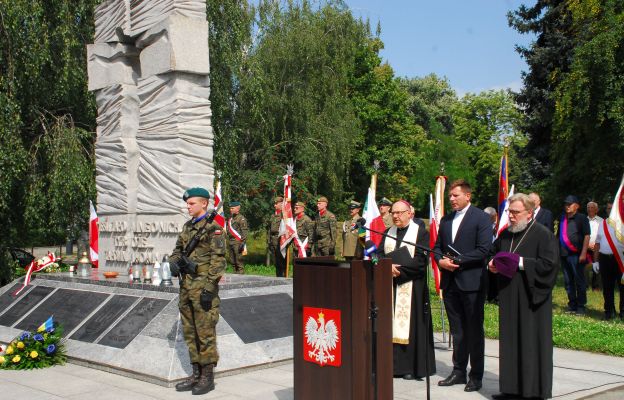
column 577, row 375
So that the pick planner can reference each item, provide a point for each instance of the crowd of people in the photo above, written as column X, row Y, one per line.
column 516, row 267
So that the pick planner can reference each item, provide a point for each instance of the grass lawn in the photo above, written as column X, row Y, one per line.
column 587, row 333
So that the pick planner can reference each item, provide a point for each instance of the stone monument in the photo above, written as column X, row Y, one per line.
column 149, row 71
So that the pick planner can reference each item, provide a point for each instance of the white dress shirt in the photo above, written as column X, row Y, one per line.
column 459, row 216
column 602, row 241
column 594, row 223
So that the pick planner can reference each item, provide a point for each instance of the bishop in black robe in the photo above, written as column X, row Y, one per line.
column 409, row 359
column 525, row 312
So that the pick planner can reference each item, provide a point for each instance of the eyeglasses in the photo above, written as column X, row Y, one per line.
column 515, row 212
column 398, row 212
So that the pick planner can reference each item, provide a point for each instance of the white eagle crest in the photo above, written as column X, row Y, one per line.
column 323, row 338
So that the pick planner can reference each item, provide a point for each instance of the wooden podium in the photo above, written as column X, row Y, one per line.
column 322, row 289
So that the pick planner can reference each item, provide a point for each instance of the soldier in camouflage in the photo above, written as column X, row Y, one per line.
column 237, row 235
column 273, row 238
column 324, row 229
column 305, row 227
column 384, row 210
column 199, row 292
column 351, row 246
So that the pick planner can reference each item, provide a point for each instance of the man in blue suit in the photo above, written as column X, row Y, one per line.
column 467, row 234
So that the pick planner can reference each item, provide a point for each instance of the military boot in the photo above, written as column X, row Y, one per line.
column 206, row 380
column 191, row 381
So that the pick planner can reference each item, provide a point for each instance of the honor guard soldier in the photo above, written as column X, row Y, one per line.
column 351, row 247
column 198, row 259
column 305, row 227
column 274, row 239
column 237, row 235
column 384, row 210
column 324, row 229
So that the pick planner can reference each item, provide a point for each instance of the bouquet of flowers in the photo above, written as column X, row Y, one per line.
column 39, row 349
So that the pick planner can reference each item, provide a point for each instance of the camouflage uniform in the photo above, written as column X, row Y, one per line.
column 239, row 223
column 274, row 246
column 387, row 220
column 325, row 234
column 351, row 246
column 305, row 229
column 199, row 325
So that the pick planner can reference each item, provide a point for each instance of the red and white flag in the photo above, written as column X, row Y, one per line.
column 94, row 235
column 436, row 212
column 374, row 220
column 220, row 218
column 616, row 218
column 503, row 218
column 288, row 226
column 36, row 266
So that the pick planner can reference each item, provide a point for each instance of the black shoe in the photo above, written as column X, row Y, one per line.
column 205, row 383
column 607, row 317
column 408, row 377
column 581, row 311
column 191, row 381
column 473, row 385
column 453, row 379
column 503, row 396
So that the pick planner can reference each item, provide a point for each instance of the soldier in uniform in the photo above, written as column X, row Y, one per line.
column 237, row 235
column 384, row 210
column 305, row 227
column 351, row 246
column 273, row 238
column 324, row 229
column 199, row 289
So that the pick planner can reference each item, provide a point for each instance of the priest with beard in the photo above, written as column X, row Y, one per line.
column 526, row 259
column 412, row 329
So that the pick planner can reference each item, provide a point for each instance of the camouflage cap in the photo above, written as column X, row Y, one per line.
column 354, row 204
column 322, row 198
column 235, row 203
column 385, row 202
column 196, row 192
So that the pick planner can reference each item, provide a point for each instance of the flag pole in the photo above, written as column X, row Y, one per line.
column 441, row 299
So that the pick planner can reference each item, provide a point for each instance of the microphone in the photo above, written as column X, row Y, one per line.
column 370, row 250
column 360, row 223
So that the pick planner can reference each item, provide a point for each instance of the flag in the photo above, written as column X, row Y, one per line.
column 616, row 218
column 374, row 220
column 503, row 218
column 47, row 325
column 94, row 235
column 288, row 226
column 36, row 266
column 436, row 212
column 220, row 218
column 503, row 184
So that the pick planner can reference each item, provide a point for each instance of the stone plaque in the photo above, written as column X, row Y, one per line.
column 69, row 308
column 132, row 324
column 7, row 297
column 24, row 305
column 257, row 318
column 103, row 318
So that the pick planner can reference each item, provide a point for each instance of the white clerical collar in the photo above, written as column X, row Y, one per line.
column 463, row 210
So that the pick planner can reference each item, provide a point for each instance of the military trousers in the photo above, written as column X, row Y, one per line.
column 198, row 326
column 280, row 262
column 236, row 258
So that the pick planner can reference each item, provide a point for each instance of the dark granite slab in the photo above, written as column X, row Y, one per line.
column 24, row 305
column 132, row 324
column 69, row 308
column 257, row 318
column 7, row 297
column 103, row 318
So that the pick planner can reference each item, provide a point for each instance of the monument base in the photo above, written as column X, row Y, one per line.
column 134, row 329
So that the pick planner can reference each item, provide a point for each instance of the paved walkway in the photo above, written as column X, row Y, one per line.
column 577, row 375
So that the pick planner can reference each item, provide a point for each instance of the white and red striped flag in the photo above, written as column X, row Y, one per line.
column 616, row 217
column 374, row 220
column 288, row 226
column 94, row 236
column 503, row 218
column 436, row 212
column 220, row 218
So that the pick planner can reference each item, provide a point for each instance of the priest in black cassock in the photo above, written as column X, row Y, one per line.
column 526, row 259
column 409, row 326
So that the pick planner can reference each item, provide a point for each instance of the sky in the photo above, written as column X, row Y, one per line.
column 467, row 41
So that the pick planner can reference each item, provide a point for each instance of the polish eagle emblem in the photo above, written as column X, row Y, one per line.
column 322, row 339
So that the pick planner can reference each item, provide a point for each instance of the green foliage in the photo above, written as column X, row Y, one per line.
column 31, row 350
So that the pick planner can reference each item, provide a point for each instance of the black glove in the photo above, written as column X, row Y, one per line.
column 205, row 299
column 174, row 268
column 241, row 248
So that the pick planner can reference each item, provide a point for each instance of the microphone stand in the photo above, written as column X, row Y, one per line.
column 426, row 309
column 373, row 317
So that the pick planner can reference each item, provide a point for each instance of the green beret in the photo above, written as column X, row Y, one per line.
column 300, row 204
column 235, row 203
column 385, row 202
column 354, row 204
column 322, row 198
column 278, row 199
column 195, row 192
